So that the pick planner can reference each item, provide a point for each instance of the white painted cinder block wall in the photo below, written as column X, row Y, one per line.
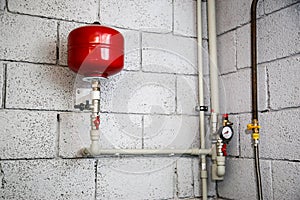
column 149, row 105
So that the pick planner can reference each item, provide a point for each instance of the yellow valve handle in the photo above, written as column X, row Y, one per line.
column 252, row 126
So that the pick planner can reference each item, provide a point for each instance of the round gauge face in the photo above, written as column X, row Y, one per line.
column 227, row 132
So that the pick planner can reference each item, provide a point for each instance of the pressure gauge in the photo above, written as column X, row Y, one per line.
column 226, row 133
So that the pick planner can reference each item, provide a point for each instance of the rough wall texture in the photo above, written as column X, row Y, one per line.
column 278, row 43
column 149, row 105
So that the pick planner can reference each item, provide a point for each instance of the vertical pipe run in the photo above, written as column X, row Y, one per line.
column 203, row 172
column 257, row 172
column 255, row 125
column 254, row 60
column 212, row 42
column 95, row 118
column 218, row 166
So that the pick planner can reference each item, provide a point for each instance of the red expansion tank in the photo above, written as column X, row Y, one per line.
column 95, row 51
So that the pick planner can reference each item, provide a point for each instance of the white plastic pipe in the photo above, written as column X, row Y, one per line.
column 218, row 160
column 212, row 39
column 169, row 152
column 203, row 171
column 200, row 75
column 94, row 132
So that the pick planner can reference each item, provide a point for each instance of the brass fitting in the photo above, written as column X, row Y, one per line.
column 255, row 128
column 225, row 122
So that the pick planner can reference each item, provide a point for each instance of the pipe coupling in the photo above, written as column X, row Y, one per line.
column 220, row 166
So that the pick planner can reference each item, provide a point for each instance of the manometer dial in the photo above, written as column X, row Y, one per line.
column 226, row 133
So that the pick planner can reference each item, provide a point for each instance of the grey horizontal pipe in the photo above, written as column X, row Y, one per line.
column 170, row 152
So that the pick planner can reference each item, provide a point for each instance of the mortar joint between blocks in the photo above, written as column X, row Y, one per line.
column 176, row 187
column 96, row 177
column 2, row 177
column 4, row 86
column 98, row 14
column 57, row 136
column 268, row 89
column 141, row 50
column 57, row 42
column 143, row 131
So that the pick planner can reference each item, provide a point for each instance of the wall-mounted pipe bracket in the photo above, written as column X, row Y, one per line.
column 201, row 108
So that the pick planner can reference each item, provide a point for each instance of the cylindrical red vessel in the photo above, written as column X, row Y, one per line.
column 95, row 51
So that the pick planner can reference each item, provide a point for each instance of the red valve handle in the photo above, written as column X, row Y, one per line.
column 225, row 116
column 97, row 122
column 224, row 149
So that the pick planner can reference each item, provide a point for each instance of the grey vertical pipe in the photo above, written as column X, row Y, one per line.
column 203, row 170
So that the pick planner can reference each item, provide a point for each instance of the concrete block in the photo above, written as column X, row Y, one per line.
column 132, row 45
column 152, row 15
column 207, row 91
column 286, row 180
column 83, row 11
column 277, row 37
column 234, row 13
column 185, row 177
column 187, row 94
column 211, row 186
column 48, row 179
column 137, row 92
column 279, row 139
column 116, row 131
column 235, row 91
column 64, row 29
column 26, row 38
column 227, row 52
column 2, row 77
column 205, row 57
column 74, row 133
column 245, row 136
column 273, row 5
column 185, row 21
column 278, row 34
column 2, row 5
column 243, row 47
column 239, row 181
column 132, row 49
column 283, row 76
column 169, row 53
column 166, row 132
column 136, row 178
column 27, row 134
column 33, row 86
